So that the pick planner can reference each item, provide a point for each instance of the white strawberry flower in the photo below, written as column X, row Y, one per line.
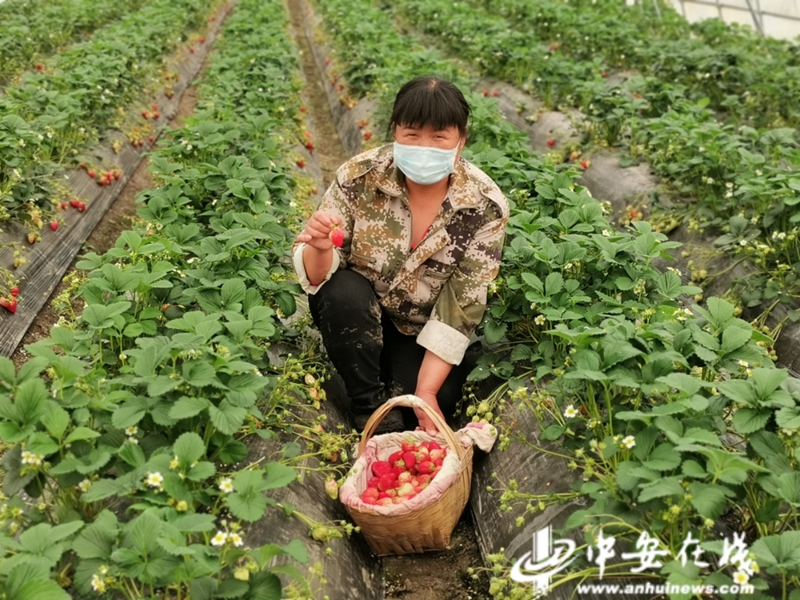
column 539, row 320
column 570, row 412
column 235, row 539
column 84, row 485
column 628, row 441
column 741, row 578
column 226, row 485
column 154, row 480
column 98, row 585
column 219, row 539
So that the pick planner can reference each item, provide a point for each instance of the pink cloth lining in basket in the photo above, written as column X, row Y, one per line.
column 380, row 447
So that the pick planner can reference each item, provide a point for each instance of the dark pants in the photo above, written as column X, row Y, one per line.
column 373, row 358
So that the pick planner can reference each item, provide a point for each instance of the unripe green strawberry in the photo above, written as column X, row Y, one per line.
column 332, row 488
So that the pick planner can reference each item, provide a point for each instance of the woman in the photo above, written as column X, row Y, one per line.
column 423, row 228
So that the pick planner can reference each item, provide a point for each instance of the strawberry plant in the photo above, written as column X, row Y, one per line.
column 30, row 31
column 45, row 123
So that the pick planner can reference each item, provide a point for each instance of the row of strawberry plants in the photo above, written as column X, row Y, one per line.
column 31, row 31
column 751, row 79
column 742, row 180
column 127, row 423
column 52, row 116
column 652, row 403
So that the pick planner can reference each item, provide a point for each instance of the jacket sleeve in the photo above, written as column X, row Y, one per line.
column 461, row 303
column 337, row 201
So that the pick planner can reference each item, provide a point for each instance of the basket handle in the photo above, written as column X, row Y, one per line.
column 410, row 401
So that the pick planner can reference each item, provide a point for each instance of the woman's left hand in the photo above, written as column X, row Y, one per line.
column 425, row 422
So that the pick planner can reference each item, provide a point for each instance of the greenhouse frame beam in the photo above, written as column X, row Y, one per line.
column 723, row 5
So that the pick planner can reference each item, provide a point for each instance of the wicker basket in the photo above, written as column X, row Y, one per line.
column 427, row 528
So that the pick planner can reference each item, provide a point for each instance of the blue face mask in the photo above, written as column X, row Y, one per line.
column 425, row 165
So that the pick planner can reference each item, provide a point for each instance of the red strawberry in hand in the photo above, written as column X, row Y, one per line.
column 337, row 237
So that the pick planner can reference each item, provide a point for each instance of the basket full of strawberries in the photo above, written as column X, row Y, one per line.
column 406, row 491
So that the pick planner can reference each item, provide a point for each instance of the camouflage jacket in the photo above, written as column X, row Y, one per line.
column 437, row 290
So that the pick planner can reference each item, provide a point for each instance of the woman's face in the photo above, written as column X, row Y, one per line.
column 445, row 139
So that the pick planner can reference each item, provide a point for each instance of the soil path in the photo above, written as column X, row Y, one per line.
column 119, row 218
column 434, row 575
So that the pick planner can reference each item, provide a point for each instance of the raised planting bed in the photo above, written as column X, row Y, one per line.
column 39, row 268
column 31, row 31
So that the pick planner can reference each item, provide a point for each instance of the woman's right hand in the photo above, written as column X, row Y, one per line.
column 318, row 229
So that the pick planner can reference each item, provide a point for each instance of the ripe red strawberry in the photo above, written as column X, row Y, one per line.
column 369, row 495
column 408, row 445
column 337, row 237
column 425, row 467
column 410, row 459
column 156, row 115
column 485, row 93
column 367, row 135
column 75, row 203
column 39, row 67
column 373, row 482
column 63, row 206
column 191, row 50
column 152, row 138
column 398, row 469
column 82, row 207
column 14, row 291
column 380, row 468
column 438, row 462
column 386, row 482
column 303, row 109
column 154, row 106
column 301, row 163
column 495, row 93
column 9, row 304
column 54, row 225
column 145, row 114
column 395, row 456
column 550, row 142
column 586, row 163
column 117, row 175
column 91, row 173
column 424, row 479
column 310, row 146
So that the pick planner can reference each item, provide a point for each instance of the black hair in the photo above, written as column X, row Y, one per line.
column 430, row 101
